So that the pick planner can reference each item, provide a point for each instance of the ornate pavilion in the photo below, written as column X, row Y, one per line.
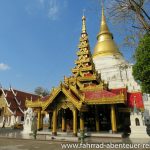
column 83, row 101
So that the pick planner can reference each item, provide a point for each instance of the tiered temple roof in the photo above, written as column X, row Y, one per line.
column 85, row 86
column 14, row 100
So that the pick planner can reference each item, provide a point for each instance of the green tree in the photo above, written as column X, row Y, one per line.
column 141, row 69
column 41, row 91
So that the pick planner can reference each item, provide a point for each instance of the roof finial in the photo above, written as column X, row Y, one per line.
column 103, row 14
column 102, row 4
column 103, row 27
column 84, row 12
column 10, row 86
column 83, row 22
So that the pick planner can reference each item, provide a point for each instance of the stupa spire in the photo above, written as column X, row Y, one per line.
column 105, row 43
column 83, row 23
column 103, row 27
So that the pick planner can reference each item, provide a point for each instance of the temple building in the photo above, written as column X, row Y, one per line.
column 110, row 63
column 12, row 106
column 115, row 70
column 90, row 100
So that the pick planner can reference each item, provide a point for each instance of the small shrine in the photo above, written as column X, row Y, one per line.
column 138, row 128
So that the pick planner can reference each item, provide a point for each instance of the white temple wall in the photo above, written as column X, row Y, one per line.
column 1, row 121
column 18, row 119
column 13, row 120
column 117, row 72
column 46, row 120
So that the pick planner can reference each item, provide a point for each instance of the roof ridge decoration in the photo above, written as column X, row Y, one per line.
column 5, row 95
column 21, row 109
column 15, row 95
column 25, row 92
column 19, row 103
column 11, row 89
column 44, row 105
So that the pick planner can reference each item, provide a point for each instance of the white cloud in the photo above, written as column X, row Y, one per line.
column 4, row 67
column 53, row 10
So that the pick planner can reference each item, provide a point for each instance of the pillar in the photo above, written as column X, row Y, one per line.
column 63, row 121
column 50, row 120
column 39, row 120
column 54, row 132
column 113, row 119
column 97, row 119
column 81, row 121
column 8, row 120
column 75, row 122
column 97, row 125
column 42, row 116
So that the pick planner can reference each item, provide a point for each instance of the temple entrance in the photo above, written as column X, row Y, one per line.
column 65, row 120
column 105, row 120
column 98, row 119
column 69, row 120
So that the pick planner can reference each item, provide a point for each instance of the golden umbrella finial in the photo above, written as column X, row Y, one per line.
column 83, row 22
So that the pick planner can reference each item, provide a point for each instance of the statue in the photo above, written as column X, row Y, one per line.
column 28, row 117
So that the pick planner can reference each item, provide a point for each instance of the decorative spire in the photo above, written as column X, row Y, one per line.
column 83, row 23
column 85, row 68
column 103, row 28
column 105, row 44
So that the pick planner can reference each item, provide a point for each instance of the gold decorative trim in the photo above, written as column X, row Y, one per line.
column 101, row 54
column 111, row 100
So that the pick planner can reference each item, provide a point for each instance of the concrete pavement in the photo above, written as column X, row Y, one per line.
column 14, row 140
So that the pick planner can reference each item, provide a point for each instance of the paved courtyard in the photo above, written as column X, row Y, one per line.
column 15, row 144
column 22, row 144
column 13, row 140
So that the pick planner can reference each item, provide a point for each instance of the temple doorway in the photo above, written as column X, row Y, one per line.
column 65, row 120
column 69, row 120
column 98, row 119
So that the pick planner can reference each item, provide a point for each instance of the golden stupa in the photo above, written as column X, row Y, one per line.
column 105, row 44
